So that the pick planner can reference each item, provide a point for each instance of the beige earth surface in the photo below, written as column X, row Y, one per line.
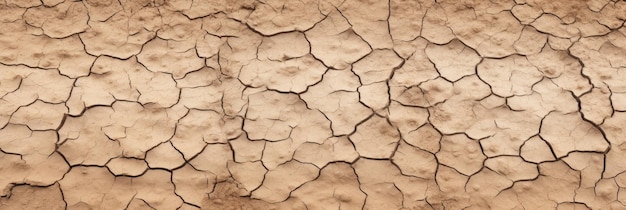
column 312, row 104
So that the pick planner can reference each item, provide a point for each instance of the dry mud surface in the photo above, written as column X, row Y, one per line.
column 328, row 104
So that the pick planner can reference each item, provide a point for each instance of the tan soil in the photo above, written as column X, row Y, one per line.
column 328, row 104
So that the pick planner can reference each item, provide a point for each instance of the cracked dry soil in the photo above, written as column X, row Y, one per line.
column 327, row 104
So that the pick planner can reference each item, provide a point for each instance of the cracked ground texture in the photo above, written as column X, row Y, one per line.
column 312, row 104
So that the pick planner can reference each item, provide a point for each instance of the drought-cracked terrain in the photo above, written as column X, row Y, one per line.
column 312, row 104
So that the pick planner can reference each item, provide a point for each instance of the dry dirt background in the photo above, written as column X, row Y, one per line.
column 323, row 104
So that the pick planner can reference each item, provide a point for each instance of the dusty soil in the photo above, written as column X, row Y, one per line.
column 328, row 104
